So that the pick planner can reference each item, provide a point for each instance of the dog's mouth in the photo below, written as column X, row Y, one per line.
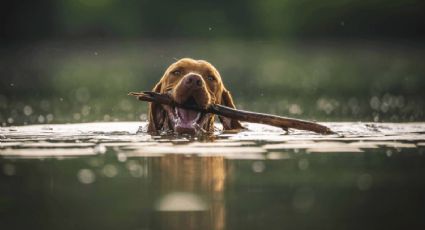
column 186, row 121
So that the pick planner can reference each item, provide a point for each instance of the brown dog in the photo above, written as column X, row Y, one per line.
column 193, row 82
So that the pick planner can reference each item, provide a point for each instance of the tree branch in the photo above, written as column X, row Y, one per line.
column 241, row 115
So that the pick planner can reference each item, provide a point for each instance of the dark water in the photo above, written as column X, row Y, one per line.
column 94, row 180
column 321, row 191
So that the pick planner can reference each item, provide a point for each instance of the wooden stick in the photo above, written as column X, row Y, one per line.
column 241, row 115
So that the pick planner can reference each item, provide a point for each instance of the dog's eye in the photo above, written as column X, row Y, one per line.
column 210, row 78
column 176, row 72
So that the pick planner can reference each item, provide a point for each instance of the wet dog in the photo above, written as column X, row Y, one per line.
column 190, row 81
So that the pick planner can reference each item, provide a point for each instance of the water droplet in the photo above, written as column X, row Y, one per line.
column 143, row 117
column 27, row 110
column 106, row 117
column 376, row 118
column 85, row 110
column 49, row 117
column 122, row 157
column 135, row 169
column 95, row 162
column 77, row 116
column 375, row 103
column 258, row 166
column 86, row 176
column 295, row 109
column 40, row 119
column 385, row 107
column 110, row 170
column 327, row 105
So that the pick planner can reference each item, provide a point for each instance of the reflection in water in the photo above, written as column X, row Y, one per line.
column 192, row 192
column 181, row 202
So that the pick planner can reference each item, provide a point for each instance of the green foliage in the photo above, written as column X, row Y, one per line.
column 324, row 81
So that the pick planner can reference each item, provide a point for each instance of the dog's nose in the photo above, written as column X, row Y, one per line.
column 193, row 80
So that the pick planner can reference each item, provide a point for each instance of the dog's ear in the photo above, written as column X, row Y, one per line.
column 227, row 100
column 156, row 113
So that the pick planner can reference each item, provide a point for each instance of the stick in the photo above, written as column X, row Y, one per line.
column 241, row 115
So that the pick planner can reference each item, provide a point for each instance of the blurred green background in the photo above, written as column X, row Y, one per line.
column 331, row 60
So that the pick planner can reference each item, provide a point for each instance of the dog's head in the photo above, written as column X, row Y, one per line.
column 193, row 82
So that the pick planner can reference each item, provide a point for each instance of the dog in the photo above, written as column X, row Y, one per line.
column 189, row 81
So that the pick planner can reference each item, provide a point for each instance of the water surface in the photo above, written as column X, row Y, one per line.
column 110, row 176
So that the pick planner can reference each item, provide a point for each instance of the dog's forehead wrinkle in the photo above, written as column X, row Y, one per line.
column 191, row 65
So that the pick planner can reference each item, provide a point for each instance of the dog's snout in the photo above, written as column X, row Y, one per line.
column 193, row 80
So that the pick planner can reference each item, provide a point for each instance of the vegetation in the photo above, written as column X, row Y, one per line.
column 72, row 61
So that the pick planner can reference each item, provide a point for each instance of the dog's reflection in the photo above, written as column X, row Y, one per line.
column 192, row 192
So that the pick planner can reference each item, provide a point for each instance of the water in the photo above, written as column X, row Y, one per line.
column 109, row 176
